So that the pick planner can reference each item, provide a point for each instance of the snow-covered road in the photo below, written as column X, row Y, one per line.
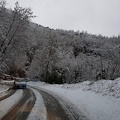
column 8, row 103
column 38, row 104
column 59, row 109
column 94, row 101
column 22, row 108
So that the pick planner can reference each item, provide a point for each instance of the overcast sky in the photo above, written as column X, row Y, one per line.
column 93, row 16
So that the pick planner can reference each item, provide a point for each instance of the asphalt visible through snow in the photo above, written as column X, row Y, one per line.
column 21, row 110
column 56, row 107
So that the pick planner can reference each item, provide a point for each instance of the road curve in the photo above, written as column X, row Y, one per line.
column 23, row 108
column 59, row 109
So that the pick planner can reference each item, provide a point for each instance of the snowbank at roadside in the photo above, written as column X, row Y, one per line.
column 98, row 100
column 3, row 90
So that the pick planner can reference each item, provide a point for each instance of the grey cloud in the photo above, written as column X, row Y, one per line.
column 94, row 16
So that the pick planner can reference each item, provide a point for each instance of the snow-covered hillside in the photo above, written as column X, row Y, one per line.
column 99, row 100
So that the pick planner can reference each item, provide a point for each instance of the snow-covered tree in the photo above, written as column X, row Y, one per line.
column 14, row 26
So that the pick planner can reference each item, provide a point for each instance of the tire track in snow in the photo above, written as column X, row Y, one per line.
column 23, row 108
column 39, row 110
column 58, row 109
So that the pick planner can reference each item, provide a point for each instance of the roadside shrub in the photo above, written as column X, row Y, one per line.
column 16, row 72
